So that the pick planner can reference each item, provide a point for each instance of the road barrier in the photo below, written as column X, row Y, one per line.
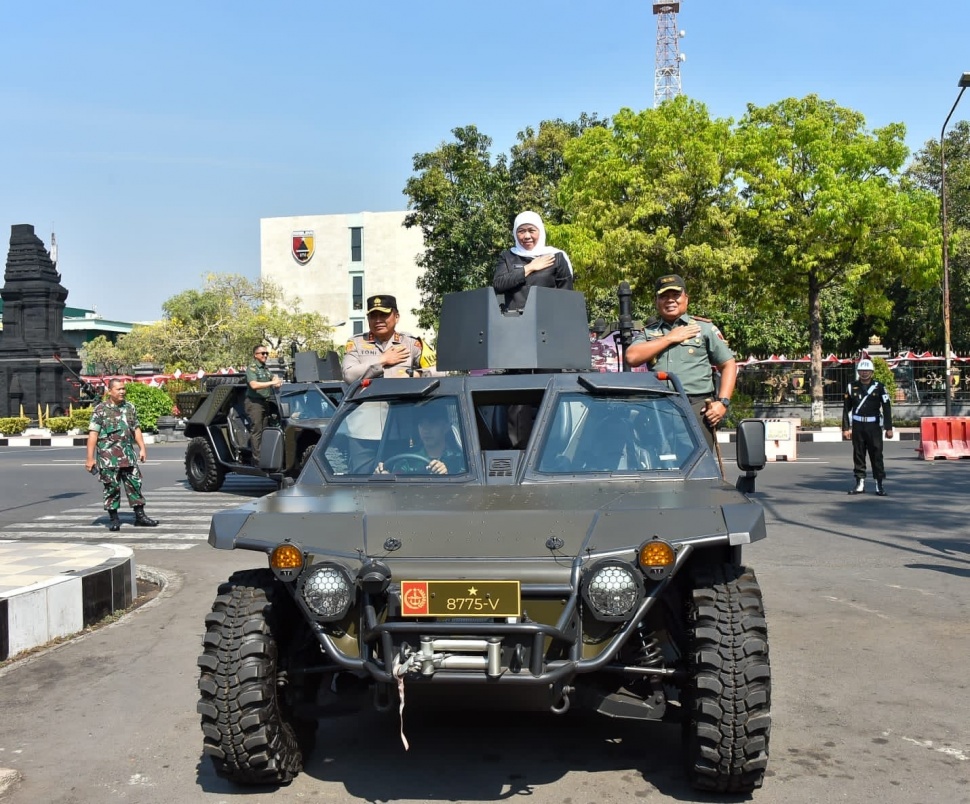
column 944, row 437
column 781, row 439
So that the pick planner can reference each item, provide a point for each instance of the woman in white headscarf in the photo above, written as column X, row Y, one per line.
column 529, row 262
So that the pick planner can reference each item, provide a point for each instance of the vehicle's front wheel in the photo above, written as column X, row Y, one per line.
column 728, row 717
column 304, row 458
column 249, row 730
column 202, row 467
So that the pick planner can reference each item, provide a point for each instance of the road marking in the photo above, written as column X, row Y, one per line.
column 857, row 606
column 956, row 753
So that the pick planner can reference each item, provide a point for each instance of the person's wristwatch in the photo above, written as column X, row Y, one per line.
column 725, row 401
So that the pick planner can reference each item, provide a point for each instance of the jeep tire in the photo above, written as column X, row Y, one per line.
column 202, row 467
column 727, row 720
column 249, row 730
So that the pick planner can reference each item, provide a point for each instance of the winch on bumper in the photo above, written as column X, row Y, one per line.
column 511, row 648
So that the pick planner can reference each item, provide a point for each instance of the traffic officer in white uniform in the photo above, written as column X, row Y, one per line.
column 382, row 349
column 866, row 413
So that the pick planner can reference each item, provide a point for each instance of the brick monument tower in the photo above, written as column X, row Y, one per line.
column 33, row 330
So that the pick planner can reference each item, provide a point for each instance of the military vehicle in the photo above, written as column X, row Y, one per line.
column 220, row 433
column 530, row 535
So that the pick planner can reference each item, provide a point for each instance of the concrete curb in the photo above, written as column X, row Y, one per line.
column 52, row 589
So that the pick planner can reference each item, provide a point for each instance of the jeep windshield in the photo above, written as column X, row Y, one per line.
column 308, row 403
column 384, row 439
column 597, row 434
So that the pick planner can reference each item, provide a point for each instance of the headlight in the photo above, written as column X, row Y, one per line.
column 613, row 590
column 327, row 590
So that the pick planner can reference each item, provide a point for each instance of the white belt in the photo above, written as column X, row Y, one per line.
column 865, row 418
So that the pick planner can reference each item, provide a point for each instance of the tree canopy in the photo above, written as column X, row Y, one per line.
column 216, row 327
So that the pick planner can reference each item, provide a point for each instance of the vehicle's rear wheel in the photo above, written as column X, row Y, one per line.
column 728, row 718
column 248, row 726
column 202, row 467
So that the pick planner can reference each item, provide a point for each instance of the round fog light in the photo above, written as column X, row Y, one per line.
column 613, row 590
column 327, row 591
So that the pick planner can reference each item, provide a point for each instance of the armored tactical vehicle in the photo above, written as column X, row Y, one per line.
column 220, row 433
column 532, row 535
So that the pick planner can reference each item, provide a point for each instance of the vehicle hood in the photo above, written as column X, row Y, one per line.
column 489, row 522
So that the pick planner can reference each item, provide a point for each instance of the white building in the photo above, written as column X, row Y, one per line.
column 333, row 263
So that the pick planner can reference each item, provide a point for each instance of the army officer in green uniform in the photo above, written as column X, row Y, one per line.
column 687, row 346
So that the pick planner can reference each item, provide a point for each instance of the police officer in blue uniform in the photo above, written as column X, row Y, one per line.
column 866, row 412
column 687, row 346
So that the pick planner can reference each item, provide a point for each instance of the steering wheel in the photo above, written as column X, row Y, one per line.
column 409, row 463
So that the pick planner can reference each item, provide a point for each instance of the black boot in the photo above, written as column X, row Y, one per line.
column 880, row 489
column 114, row 524
column 859, row 487
column 142, row 519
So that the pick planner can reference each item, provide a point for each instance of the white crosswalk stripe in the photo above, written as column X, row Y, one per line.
column 183, row 517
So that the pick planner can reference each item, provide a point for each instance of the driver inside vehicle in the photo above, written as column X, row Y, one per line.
column 437, row 451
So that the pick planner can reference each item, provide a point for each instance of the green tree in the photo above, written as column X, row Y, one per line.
column 461, row 200
column 538, row 165
column 465, row 202
column 100, row 356
column 827, row 208
column 654, row 193
column 918, row 316
column 217, row 326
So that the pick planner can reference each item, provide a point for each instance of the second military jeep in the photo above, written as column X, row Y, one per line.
column 541, row 538
column 220, row 433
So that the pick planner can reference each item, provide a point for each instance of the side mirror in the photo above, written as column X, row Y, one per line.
column 750, row 453
column 284, row 410
column 751, row 445
column 271, row 449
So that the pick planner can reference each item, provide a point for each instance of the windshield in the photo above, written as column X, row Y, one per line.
column 410, row 437
column 616, row 434
column 308, row 403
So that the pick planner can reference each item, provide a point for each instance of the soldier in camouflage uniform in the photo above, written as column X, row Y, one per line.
column 687, row 346
column 113, row 434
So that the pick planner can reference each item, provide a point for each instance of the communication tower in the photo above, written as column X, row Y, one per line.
column 666, row 82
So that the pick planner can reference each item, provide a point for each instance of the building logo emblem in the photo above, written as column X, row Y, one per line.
column 303, row 246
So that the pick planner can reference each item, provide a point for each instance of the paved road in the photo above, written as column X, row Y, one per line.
column 868, row 603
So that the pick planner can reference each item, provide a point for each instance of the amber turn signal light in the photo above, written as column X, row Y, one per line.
column 656, row 558
column 286, row 557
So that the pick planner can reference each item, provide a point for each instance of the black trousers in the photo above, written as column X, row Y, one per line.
column 867, row 439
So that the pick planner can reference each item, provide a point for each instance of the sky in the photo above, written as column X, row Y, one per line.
column 152, row 137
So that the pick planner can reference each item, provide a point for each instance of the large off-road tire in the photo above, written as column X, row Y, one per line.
column 304, row 458
column 202, row 467
column 727, row 720
column 249, row 731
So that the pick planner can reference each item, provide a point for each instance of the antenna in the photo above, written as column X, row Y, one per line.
column 666, row 82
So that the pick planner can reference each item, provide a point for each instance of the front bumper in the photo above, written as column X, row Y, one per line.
column 510, row 653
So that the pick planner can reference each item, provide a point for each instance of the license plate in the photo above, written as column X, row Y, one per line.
column 460, row 599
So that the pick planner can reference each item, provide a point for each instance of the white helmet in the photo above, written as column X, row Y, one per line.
column 865, row 365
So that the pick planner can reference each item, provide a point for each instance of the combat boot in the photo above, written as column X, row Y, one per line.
column 859, row 487
column 880, row 489
column 114, row 524
column 143, row 520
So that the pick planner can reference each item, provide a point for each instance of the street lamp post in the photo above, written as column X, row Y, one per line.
column 963, row 83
